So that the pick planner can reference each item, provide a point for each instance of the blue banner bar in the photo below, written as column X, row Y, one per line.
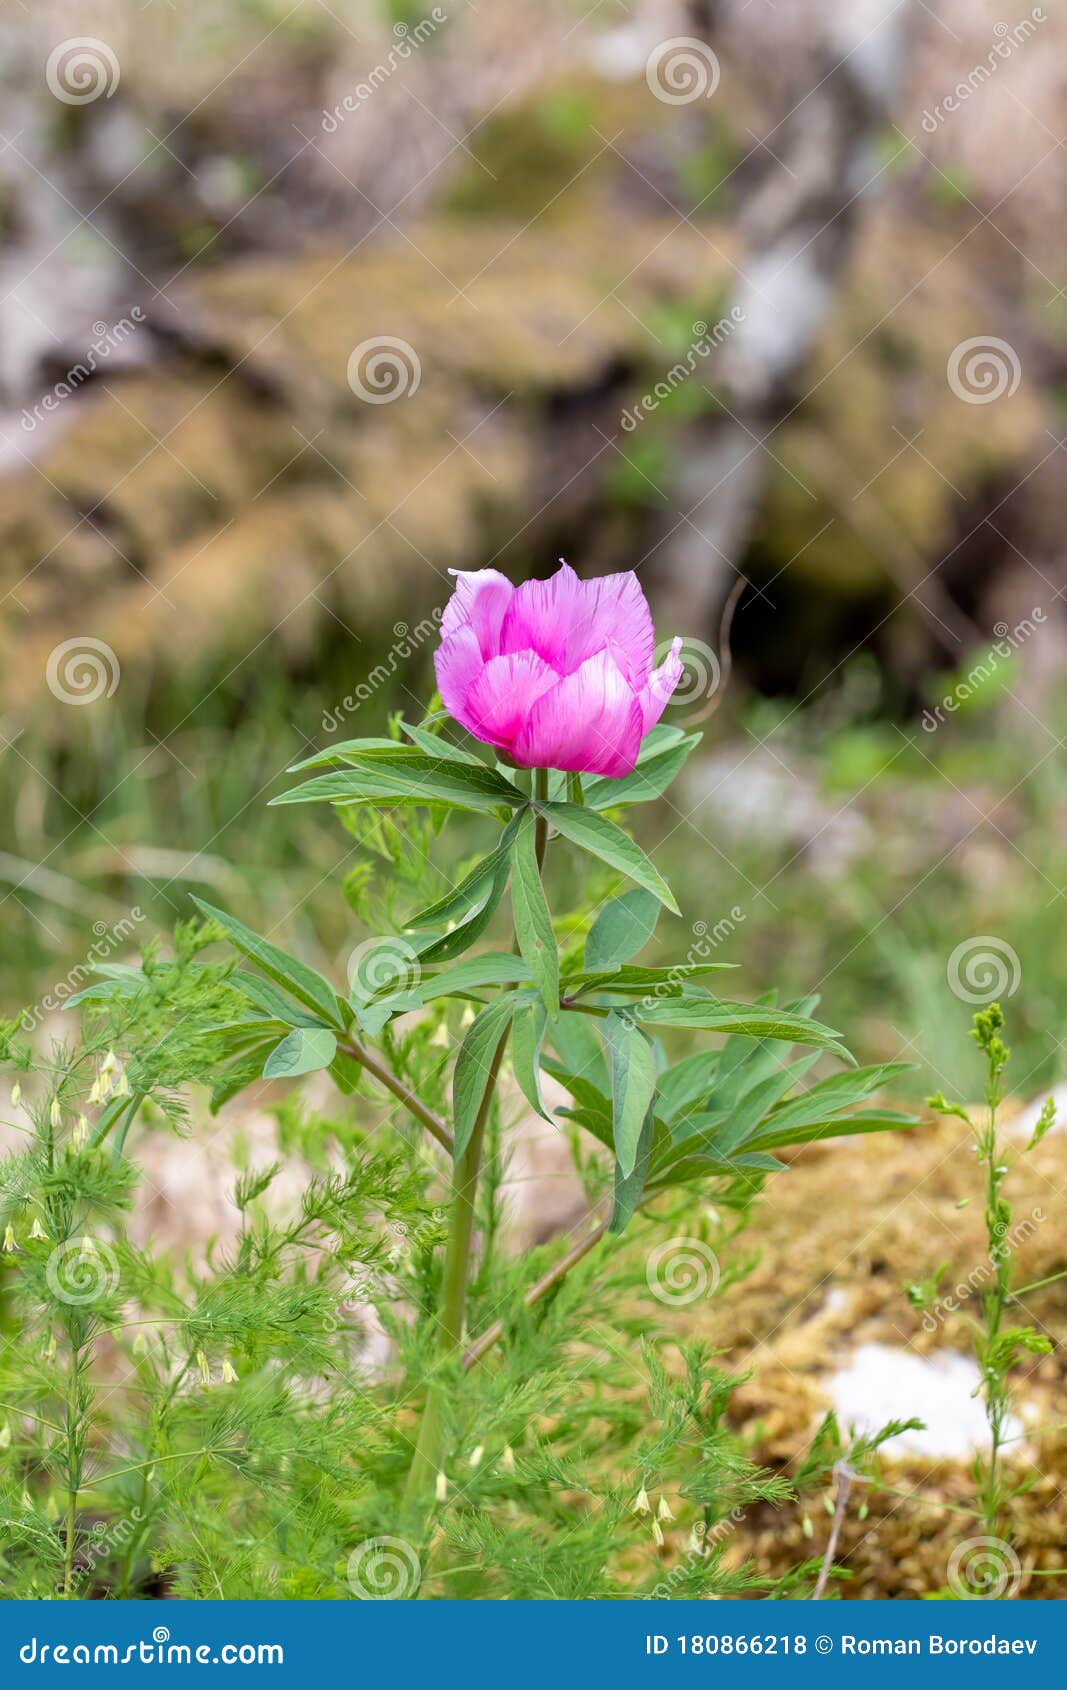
column 540, row 1645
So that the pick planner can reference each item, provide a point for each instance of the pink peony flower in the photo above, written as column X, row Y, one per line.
column 556, row 674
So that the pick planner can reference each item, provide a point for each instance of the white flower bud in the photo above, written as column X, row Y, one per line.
column 441, row 1488
column 640, row 1503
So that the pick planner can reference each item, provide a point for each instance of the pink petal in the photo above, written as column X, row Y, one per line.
column 480, row 599
column 499, row 702
column 656, row 695
column 458, row 662
column 566, row 621
column 590, row 722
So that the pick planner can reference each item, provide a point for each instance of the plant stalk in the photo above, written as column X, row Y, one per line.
column 426, row 1463
column 427, row 1459
column 540, row 1288
column 392, row 1083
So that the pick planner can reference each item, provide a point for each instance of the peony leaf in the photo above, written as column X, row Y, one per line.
column 303, row 1051
column 603, row 839
column 623, row 927
column 303, row 983
column 527, row 1036
column 533, row 924
column 474, row 1066
column 632, row 1063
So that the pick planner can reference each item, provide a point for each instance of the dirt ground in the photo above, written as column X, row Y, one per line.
column 841, row 1235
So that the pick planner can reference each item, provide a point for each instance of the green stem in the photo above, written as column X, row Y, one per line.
column 392, row 1083
column 73, row 1440
column 427, row 1460
column 548, row 1282
column 426, row 1463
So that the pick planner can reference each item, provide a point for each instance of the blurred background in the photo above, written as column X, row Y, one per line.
column 303, row 305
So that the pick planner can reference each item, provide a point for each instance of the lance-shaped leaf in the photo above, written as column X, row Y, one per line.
column 303, row 983
column 630, row 1188
column 826, row 1109
column 527, row 1036
column 601, row 838
column 463, row 936
column 582, row 1054
column 475, row 885
column 632, row 1065
column 634, row 981
column 623, row 927
column 713, row 1015
column 303, row 1051
column 435, row 745
column 474, row 1067
column 346, row 752
column 490, row 968
column 654, row 773
column 267, row 997
column 408, row 776
column 533, row 924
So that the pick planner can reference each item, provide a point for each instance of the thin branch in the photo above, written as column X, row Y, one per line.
column 844, row 1475
column 539, row 1289
column 407, row 1097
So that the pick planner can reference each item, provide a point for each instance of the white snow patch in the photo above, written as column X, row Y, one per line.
column 880, row 1383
